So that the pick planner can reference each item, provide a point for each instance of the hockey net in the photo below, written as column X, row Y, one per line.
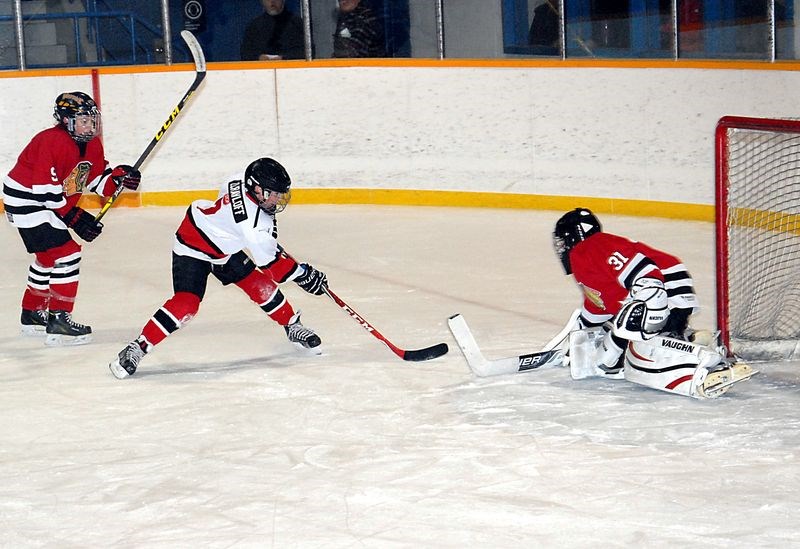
column 758, row 236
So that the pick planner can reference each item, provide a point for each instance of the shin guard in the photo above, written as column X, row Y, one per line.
column 173, row 314
column 264, row 291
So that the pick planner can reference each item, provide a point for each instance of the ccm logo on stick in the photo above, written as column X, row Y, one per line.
column 358, row 319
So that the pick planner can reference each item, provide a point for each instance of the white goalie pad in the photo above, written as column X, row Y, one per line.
column 668, row 364
column 663, row 363
column 682, row 367
column 585, row 349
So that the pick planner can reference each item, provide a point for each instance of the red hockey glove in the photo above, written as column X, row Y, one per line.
column 127, row 176
column 83, row 223
column 312, row 280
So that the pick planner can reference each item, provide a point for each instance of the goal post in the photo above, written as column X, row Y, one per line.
column 758, row 236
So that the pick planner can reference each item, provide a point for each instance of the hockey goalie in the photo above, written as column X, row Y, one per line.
column 633, row 323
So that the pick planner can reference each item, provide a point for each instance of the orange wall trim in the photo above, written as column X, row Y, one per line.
column 422, row 63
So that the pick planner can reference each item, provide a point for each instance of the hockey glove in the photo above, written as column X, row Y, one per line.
column 83, row 223
column 644, row 313
column 127, row 176
column 312, row 280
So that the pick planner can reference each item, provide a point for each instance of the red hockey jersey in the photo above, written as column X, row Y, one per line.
column 50, row 175
column 605, row 267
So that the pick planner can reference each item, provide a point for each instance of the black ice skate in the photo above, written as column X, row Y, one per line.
column 127, row 360
column 62, row 330
column 33, row 323
column 302, row 337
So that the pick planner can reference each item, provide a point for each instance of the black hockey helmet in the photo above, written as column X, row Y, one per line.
column 573, row 227
column 269, row 176
column 70, row 105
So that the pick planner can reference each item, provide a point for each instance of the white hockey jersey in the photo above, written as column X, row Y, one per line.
column 213, row 231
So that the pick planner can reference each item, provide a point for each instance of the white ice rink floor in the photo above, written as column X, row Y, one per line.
column 228, row 437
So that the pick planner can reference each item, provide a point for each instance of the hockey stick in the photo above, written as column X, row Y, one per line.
column 417, row 355
column 200, row 74
column 482, row 367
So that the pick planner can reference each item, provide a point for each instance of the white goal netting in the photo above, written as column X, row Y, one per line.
column 758, row 236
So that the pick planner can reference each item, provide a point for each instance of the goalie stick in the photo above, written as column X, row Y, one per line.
column 482, row 367
column 416, row 355
column 200, row 74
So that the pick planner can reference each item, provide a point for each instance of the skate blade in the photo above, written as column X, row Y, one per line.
column 314, row 351
column 718, row 383
column 60, row 340
column 118, row 371
column 32, row 331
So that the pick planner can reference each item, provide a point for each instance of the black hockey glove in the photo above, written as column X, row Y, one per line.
column 83, row 223
column 312, row 280
column 127, row 176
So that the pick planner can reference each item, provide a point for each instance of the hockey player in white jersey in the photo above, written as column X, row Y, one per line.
column 212, row 239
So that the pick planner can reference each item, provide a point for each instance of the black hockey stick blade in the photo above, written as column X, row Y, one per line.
column 428, row 353
column 416, row 355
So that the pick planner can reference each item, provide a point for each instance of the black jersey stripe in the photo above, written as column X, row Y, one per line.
column 28, row 195
column 636, row 270
column 680, row 290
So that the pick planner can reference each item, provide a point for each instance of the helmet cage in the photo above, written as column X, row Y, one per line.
column 271, row 179
column 562, row 251
column 273, row 202
column 76, row 112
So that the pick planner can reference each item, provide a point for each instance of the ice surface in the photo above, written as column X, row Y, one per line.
column 229, row 437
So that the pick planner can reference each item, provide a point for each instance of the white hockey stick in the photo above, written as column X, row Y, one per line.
column 551, row 354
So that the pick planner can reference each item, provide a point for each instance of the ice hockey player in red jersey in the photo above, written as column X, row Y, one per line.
column 212, row 239
column 643, row 289
column 40, row 196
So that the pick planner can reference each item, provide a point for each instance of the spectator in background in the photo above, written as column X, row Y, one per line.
column 544, row 28
column 359, row 32
column 275, row 34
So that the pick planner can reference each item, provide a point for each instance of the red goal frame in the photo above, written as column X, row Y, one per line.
column 725, row 124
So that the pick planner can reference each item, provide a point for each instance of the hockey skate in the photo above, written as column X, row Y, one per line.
column 33, row 323
column 127, row 361
column 62, row 330
column 302, row 337
column 718, row 381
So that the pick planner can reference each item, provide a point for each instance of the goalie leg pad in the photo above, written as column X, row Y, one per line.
column 670, row 369
column 682, row 368
column 588, row 350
